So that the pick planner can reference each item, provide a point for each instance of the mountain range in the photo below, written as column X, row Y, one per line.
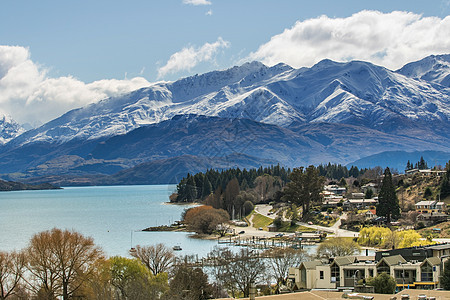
column 331, row 112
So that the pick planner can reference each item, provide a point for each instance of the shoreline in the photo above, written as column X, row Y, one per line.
column 182, row 203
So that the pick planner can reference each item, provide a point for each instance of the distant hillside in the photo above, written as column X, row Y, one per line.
column 171, row 170
column 398, row 159
column 163, row 171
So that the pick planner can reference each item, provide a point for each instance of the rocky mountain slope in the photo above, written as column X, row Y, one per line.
column 357, row 93
column 331, row 112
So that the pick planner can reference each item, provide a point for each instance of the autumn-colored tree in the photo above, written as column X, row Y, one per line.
column 133, row 281
column 385, row 238
column 158, row 258
column 374, row 236
column 60, row 262
column 99, row 285
column 190, row 214
column 12, row 267
column 338, row 246
column 410, row 238
column 204, row 219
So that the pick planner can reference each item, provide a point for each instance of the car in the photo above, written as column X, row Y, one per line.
column 310, row 223
column 241, row 232
column 260, row 228
column 279, row 235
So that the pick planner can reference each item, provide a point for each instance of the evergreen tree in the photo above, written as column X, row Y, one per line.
column 408, row 166
column 191, row 189
column 445, row 182
column 445, row 280
column 422, row 164
column 387, row 198
column 244, row 185
column 207, row 187
column 231, row 192
column 369, row 194
column 305, row 187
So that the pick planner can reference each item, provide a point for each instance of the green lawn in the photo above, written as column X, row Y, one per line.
column 286, row 227
column 260, row 220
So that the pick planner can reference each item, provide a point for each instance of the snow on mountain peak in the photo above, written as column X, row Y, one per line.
column 433, row 68
column 9, row 129
column 355, row 92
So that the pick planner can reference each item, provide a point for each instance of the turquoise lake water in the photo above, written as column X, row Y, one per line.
column 112, row 215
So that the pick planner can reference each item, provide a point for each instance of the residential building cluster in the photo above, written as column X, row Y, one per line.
column 412, row 268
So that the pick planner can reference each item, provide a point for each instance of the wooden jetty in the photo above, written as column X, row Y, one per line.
column 297, row 241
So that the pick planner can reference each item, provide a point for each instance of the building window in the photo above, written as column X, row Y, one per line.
column 427, row 272
column 370, row 273
column 335, row 272
column 321, row 274
column 383, row 267
column 303, row 276
column 400, row 274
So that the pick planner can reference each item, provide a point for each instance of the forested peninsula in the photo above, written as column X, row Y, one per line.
column 7, row 186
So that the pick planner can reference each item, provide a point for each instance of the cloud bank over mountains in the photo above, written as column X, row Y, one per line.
column 29, row 95
column 189, row 57
column 386, row 39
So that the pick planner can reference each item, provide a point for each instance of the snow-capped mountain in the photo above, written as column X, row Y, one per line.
column 357, row 93
column 9, row 129
column 434, row 69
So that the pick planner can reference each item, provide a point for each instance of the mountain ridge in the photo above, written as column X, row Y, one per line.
column 332, row 112
column 355, row 92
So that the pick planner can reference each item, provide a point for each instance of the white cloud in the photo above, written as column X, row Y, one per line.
column 197, row 2
column 387, row 39
column 209, row 12
column 29, row 95
column 189, row 57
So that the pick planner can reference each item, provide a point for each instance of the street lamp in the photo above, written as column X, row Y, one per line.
column 354, row 279
column 403, row 274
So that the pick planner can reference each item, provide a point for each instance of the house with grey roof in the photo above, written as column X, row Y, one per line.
column 413, row 268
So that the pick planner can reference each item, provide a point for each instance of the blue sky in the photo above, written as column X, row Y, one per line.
column 101, row 48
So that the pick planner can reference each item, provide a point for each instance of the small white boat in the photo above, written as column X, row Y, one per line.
column 177, row 248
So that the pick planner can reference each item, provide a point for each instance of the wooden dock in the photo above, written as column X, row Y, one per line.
column 263, row 243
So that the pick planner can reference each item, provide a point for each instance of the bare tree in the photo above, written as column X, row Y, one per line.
column 157, row 259
column 281, row 259
column 190, row 283
column 60, row 261
column 223, row 228
column 12, row 267
column 236, row 271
